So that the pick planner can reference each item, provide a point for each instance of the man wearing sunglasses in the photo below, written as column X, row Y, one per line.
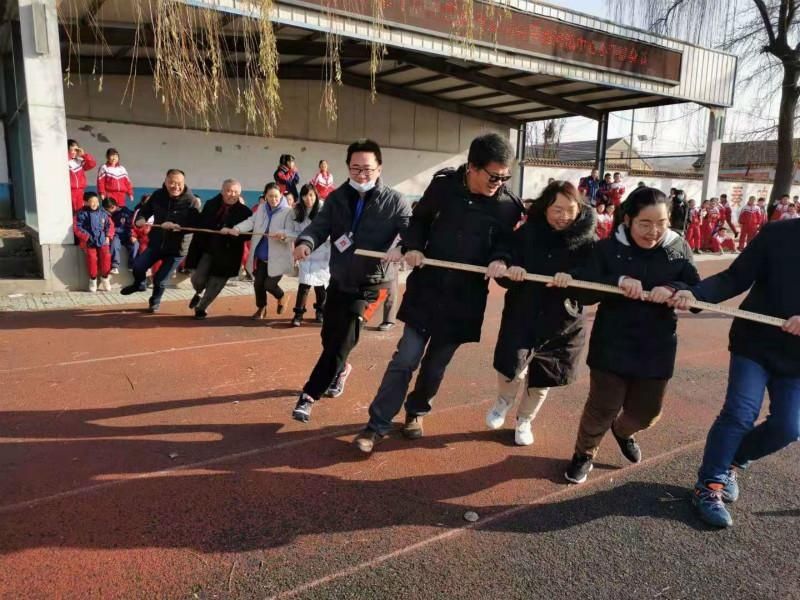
column 468, row 216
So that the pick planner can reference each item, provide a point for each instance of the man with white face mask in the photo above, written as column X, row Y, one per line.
column 361, row 213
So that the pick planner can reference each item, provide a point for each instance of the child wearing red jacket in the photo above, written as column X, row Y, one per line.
column 113, row 180
column 710, row 222
column 605, row 222
column 694, row 229
column 94, row 229
column 750, row 221
column 722, row 241
column 323, row 181
column 79, row 161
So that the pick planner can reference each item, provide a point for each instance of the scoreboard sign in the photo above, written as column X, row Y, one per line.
column 522, row 32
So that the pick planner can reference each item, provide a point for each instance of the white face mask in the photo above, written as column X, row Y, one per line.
column 362, row 188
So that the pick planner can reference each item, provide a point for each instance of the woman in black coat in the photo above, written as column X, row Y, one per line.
column 634, row 342
column 541, row 333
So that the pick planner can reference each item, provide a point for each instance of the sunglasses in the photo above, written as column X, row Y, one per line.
column 497, row 178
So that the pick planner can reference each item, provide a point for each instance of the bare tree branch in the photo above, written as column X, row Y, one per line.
column 762, row 9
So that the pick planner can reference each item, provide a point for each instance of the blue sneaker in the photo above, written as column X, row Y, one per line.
column 730, row 493
column 710, row 507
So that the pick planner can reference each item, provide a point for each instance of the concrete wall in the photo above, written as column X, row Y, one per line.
column 536, row 179
column 417, row 140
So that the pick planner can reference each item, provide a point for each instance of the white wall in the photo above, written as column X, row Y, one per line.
column 536, row 179
column 417, row 140
column 5, row 180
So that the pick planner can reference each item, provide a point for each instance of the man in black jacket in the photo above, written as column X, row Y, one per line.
column 361, row 213
column 172, row 207
column 216, row 258
column 763, row 357
column 468, row 216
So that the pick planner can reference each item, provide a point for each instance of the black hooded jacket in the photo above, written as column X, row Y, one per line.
column 183, row 210
column 450, row 223
column 545, row 325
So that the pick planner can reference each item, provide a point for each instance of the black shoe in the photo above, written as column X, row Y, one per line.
column 318, row 317
column 385, row 326
column 297, row 320
column 302, row 410
column 336, row 388
column 194, row 301
column 133, row 288
column 579, row 469
column 630, row 449
column 200, row 314
column 154, row 307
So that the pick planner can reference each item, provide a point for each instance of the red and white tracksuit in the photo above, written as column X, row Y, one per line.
column 726, row 216
column 114, row 182
column 779, row 211
column 77, row 177
column 694, row 229
column 720, row 242
column 750, row 220
column 605, row 224
column 323, row 183
column 709, row 226
column 616, row 192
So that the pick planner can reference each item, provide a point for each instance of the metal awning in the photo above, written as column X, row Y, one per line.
column 541, row 63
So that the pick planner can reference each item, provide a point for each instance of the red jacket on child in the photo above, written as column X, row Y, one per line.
column 114, row 182
column 77, row 177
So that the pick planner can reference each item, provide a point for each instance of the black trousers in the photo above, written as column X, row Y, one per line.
column 263, row 283
column 302, row 296
column 341, row 328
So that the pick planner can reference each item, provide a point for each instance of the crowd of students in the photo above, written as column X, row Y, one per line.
column 467, row 215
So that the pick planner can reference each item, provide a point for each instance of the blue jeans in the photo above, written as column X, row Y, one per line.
column 146, row 260
column 116, row 249
column 412, row 349
column 733, row 438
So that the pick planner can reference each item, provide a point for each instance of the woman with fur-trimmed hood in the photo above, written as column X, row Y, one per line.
column 542, row 334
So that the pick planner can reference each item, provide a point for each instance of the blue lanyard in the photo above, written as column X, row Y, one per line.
column 357, row 216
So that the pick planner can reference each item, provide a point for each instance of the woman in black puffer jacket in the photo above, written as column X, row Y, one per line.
column 634, row 342
column 541, row 334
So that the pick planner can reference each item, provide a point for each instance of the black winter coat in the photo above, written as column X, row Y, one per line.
column 385, row 216
column 678, row 214
column 450, row 223
column 225, row 250
column 769, row 265
column 541, row 324
column 183, row 210
column 631, row 338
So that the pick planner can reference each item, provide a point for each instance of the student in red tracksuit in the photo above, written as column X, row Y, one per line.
column 94, row 229
column 79, row 161
column 781, row 207
column 113, row 180
column 710, row 223
column 605, row 222
column 726, row 213
column 142, row 234
column 323, row 181
column 750, row 220
column 694, row 229
column 722, row 241
column 617, row 190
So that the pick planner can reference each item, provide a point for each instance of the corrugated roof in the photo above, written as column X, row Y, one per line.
column 744, row 154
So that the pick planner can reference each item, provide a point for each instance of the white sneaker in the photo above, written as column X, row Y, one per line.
column 523, row 435
column 105, row 284
column 115, row 271
column 496, row 417
column 93, row 285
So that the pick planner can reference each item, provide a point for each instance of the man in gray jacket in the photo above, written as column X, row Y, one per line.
column 361, row 213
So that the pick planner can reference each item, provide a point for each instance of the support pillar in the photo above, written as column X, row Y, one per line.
column 600, row 146
column 716, row 129
column 47, row 119
column 522, row 142
column 49, row 195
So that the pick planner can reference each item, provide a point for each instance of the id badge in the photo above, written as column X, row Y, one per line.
column 343, row 243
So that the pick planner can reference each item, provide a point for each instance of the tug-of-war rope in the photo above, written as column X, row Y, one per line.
column 576, row 283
